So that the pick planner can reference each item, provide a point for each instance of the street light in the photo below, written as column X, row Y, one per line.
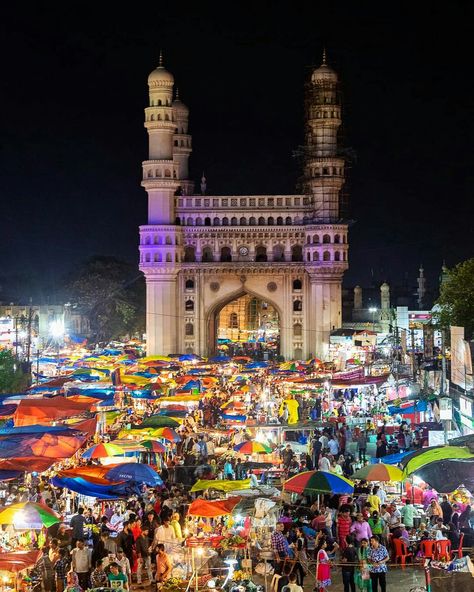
column 56, row 329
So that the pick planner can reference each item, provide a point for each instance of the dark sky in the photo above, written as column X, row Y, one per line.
column 72, row 138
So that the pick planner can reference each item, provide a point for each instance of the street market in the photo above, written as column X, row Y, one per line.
column 124, row 470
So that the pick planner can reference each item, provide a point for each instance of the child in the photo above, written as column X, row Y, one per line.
column 292, row 586
column 323, row 569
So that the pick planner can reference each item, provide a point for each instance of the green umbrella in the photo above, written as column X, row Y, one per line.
column 420, row 458
column 159, row 421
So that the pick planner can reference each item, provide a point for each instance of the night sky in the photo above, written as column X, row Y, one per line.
column 72, row 136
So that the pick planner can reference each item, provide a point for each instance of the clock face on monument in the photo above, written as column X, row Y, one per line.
column 243, row 251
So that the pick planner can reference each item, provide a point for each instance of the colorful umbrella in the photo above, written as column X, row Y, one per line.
column 103, row 450
column 153, row 446
column 159, row 421
column 252, row 448
column 28, row 515
column 318, row 482
column 379, row 472
column 166, row 434
column 138, row 472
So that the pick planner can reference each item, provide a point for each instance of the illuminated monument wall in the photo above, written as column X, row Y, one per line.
column 200, row 252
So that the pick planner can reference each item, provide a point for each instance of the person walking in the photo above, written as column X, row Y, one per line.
column 378, row 557
column 143, row 556
column 81, row 563
column 323, row 567
column 349, row 560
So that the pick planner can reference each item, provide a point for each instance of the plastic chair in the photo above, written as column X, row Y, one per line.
column 458, row 551
column 443, row 550
column 428, row 549
column 274, row 583
column 401, row 552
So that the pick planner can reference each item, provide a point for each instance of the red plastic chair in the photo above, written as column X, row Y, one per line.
column 428, row 549
column 401, row 552
column 443, row 550
column 458, row 551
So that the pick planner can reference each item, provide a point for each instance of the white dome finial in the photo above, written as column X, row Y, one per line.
column 160, row 60
column 324, row 56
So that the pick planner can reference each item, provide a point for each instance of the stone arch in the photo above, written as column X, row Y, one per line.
column 278, row 253
column 297, row 330
column 315, row 239
column 315, row 256
column 288, row 221
column 189, row 305
column 207, row 221
column 326, row 239
column 215, row 309
column 252, row 221
column 189, row 254
column 271, row 221
column 337, row 256
column 326, row 256
column 198, row 221
column 207, row 254
column 225, row 221
column 279, row 221
column 261, row 253
column 190, row 222
column 297, row 253
column 226, row 254
column 261, row 221
column 216, row 221
column 243, row 221
column 233, row 221
column 337, row 238
column 189, row 284
column 189, row 330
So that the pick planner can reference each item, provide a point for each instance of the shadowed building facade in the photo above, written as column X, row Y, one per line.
column 201, row 252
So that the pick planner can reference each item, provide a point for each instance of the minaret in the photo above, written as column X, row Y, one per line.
column 323, row 167
column 326, row 240
column 182, row 144
column 161, row 240
column 421, row 281
column 160, row 172
column 357, row 297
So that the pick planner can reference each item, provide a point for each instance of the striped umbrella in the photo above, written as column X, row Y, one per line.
column 103, row 450
column 318, row 482
column 166, row 434
column 252, row 448
column 153, row 446
column 28, row 515
column 379, row 472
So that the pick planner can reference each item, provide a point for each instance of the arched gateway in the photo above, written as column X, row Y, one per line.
column 209, row 257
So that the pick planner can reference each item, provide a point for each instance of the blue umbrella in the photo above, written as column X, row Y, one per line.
column 219, row 359
column 138, row 472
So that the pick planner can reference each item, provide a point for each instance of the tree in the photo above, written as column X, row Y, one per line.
column 111, row 293
column 13, row 375
column 456, row 299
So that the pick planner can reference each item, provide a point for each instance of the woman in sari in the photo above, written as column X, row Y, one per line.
column 362, row 574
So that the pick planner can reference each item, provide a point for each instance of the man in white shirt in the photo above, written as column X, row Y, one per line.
column 81, row 563
column 165, row 534
column 124, row 563
column 324, row 463
column 324, row 442
column 382, row 495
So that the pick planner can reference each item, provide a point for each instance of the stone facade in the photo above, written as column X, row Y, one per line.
column 200, row 252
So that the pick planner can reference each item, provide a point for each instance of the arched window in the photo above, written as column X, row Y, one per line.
column 261, row 253
column 271, row 221
column 298, row 353
column 233, row 320
column 216, row 221
column 297, row 285
column 168, row 257
column 308, row 240
column 167, row 117
column 261, row 221
column 207, row 221
column 152, row 118
column 279, row 221
column 147, row 240
column 158, row 117
column 157, row 257
column 189, row 329
column 148, row 257
column 190, row 222
column 315, row 256
column 176, row 142
column 198, row 221
column 168, row 240
column 189, row 285
column 288, row 221
column 326, row 238
column 252, row 221
column 326, row 256
column 243, row 221
column 296, row 253
column 159, row 103
column 308, row 256
column 207, row 255
column 297, row 306
column 189, row 306
column 337, row 256
column 315, row 239
column 189, row 254
column 297, row 330
column 226, row 254
column 278, row 253
column 225, row 221
column 167, row 173
column 233, row 221
column 150, row 174
column 337, row 238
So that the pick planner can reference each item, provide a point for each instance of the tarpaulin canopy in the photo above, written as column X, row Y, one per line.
column 212, row 509
column 84, row 487
column 420, row 458
column 409, row 409
column 45, row 445
column 18, row 560
column 31, row 412
column 221, row 485
column 28, row 464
